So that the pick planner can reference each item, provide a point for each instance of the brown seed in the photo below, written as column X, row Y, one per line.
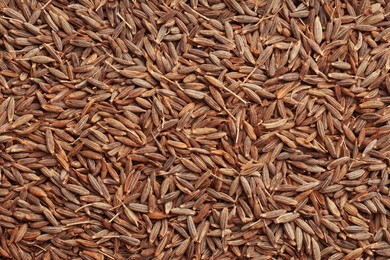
column 287, row 217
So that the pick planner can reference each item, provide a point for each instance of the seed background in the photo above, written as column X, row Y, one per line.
column 200, row 129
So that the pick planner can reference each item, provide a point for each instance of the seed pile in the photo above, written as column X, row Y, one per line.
column 201, row 129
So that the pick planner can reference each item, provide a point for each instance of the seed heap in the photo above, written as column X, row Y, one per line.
column 201, row 129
